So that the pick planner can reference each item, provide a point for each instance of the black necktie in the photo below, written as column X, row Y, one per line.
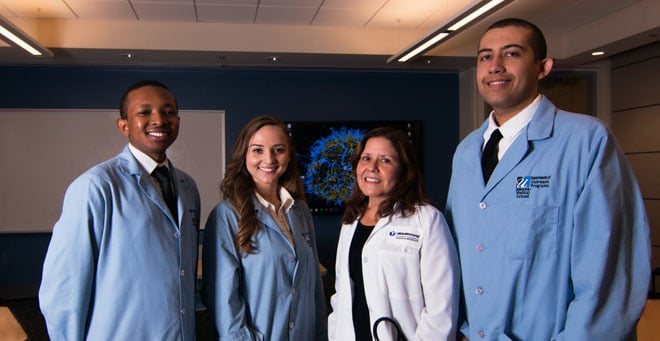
column 163, row 176
column 489, row 157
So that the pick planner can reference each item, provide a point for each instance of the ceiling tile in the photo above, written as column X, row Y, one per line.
column 102, row 9
column 342, row 17
column 285, row 15
column 578, row 13
column 228, row 2
column 165, row 1
column 163, row 11
column 405, row 13
column 6, row 12
column 291, row 3
column 446, row 11
column 39, row 9
column 226, row 14
column 366, row 4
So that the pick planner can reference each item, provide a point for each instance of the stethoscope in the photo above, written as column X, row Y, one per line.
column 399, row 333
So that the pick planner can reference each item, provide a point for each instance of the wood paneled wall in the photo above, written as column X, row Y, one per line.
column 635, row 79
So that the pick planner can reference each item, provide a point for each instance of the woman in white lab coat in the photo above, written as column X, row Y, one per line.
column 395, row 258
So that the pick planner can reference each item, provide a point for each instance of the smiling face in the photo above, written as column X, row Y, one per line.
column 267, row 158
column 152, row 121
column 508, row 71
column 378, row 169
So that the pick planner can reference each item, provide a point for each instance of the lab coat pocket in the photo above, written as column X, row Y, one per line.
column 532, row 232
column 398, row 262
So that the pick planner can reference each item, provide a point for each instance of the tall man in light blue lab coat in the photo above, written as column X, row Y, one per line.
column 554, row 245
column 121, row 264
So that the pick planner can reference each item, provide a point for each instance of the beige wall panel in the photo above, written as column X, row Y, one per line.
column 570, row 92
column 636, row 85
column 637, row 129
column 647, row 168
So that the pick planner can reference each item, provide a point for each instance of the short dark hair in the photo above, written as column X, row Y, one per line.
column 536, row 38
column 123, row 110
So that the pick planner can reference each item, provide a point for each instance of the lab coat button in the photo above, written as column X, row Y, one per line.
column 479, row 291
column 482, row 205
column 182, row 273
column 292, row 259
column 177, row 234
column 480, row 247
column 183, row 311
column 291, row 324
column 481, row 334
column 293, row 291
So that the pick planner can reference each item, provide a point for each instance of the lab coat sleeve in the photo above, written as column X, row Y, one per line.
column 610, row 256
column 440, row 281
column 222, row 277
column 70, row 264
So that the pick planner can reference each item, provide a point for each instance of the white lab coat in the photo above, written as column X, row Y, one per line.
column 411, row 274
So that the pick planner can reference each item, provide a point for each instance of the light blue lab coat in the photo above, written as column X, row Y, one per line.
column 118, row 267
column 275, row 294
column 556, row 245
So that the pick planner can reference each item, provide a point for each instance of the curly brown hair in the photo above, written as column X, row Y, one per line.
column 238, row 186
column 409, row 188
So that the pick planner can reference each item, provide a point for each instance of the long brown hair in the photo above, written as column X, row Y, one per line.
column 408, row 190
column 238, row 186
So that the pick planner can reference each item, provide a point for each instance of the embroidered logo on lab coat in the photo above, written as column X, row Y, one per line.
column 525, row 184
column 406, row 239
column 400, row 235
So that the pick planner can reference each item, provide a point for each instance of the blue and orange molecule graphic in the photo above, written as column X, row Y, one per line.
column 329, row 173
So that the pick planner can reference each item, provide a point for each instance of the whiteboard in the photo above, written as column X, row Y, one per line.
column 67, row 142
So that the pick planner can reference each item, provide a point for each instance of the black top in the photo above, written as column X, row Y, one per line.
column 360, row 310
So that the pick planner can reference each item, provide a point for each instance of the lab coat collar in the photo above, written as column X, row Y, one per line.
column 540, row 127
column 129, row 165
column 543, row 121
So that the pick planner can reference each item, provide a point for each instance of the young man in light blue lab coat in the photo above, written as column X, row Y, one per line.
column 554, row 245
column 121, row 263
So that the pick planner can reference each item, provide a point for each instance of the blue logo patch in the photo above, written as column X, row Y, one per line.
column 524, row 184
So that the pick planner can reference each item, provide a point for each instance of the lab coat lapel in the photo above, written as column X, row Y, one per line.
column 132, row 168
column 178, row 184
column 540, row 127
column 511, row 158
column 265, row 218
column 471, row 159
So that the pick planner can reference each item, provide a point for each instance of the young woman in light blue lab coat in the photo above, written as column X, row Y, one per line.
column 260, row 263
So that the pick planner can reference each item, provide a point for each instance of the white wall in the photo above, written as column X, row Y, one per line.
column 42, row 151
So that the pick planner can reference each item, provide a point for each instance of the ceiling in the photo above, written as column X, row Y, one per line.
column 307, row 33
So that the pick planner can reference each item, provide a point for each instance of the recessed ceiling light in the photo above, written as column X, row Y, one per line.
column 273, row 59
column 128, row 55
column 597, row 53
